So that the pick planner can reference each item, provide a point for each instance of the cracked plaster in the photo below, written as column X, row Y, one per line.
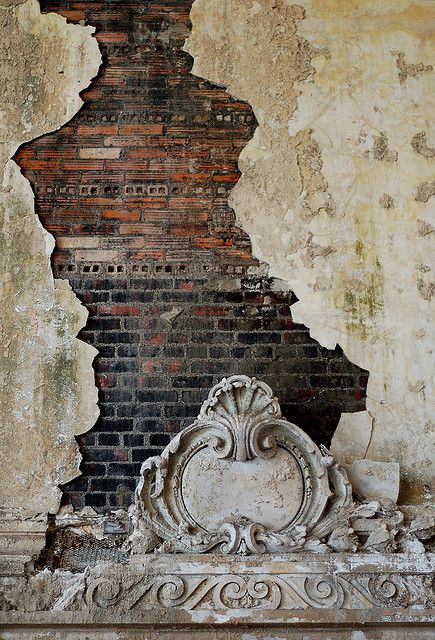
column 47, row 391
column 342, row 163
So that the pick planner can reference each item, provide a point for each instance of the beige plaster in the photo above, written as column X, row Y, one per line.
column 337, row 187
column 47, row 390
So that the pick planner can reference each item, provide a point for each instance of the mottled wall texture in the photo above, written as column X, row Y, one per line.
column 135, row 190
column 337, row 190
column 328, row 104
column 47, row 394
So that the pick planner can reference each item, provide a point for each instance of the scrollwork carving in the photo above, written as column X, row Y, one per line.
column 190, row 498
column 228, row 591
column 243, row 480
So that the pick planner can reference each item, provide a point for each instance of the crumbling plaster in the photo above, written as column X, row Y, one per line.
column 47, row 390
column 337, row 189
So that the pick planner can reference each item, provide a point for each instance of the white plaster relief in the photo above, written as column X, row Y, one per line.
column 240, row 479
column 47, row 390
column 243, row 480
column 336, row 193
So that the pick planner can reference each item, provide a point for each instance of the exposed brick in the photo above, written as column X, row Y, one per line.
column 135, row 191
column 99, row 153
column 141, row 129
column 121, row 310
column 121, row 214
column 82, row 242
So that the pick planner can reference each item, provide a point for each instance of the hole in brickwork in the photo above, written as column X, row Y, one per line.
column 139, row 191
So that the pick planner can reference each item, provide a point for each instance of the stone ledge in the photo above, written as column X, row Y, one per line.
column 160, row 590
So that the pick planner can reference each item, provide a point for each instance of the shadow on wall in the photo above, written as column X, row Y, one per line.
column 135, row 189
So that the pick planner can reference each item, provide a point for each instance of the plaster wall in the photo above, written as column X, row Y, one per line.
column 337, row 191
column 47, row 391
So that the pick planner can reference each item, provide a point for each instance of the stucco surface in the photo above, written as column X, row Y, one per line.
column 47, row 391
column 337, row 188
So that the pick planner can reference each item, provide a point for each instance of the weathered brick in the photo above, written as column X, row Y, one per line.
column 135, row 191
column 99, row 153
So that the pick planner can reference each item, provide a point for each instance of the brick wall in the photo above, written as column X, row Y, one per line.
column 134, row 190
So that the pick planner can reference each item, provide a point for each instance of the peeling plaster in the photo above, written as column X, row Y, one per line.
column 342, row 92
column 47, row 392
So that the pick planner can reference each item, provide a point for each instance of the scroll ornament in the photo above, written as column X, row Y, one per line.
column 242, row 480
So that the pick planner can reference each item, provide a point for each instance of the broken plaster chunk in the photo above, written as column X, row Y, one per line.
column 372, row 479
column 170, row 316
column 352, row 436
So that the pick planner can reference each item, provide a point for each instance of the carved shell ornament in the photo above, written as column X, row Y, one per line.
column 240, row 479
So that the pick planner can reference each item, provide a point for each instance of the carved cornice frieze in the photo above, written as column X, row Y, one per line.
column 227, row 585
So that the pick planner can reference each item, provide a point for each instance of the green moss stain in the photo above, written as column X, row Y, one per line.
column 359, row 249
column 59, row 397
column 362, row 298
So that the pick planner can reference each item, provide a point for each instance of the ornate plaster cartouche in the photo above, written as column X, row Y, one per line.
column 240, row 479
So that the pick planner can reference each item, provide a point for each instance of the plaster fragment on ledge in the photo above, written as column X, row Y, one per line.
column 377, row 480
column 352, row 436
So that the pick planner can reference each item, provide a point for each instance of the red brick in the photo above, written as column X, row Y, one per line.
column 140, row 228
column 148, row 366
column 140, row 129
column 121, row 214
column 73, row 16
column 231, row 177
column 110, row 36
column 109, row 130
column 175, row 365
column 209, row 311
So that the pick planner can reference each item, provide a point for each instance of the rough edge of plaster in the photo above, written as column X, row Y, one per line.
column 326, row 337
column 217, row 58
column 64, row 299
column 67, row 299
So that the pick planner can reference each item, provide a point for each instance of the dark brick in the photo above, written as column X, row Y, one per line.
column 128, row 351
column 118, row 337
column 117, row 395
column 108, row 439
column 118, row 424
column 147, row 425
column 132, row 296
column 180, row 411
column 157, row 396
column 95, row 499
column 159, row 439
column 191, row 381
column 104, row 484
column 177, row 249
column 141, row 454
column 133, row 439
column 123, row 469
column 105, row 351
column 148, row 410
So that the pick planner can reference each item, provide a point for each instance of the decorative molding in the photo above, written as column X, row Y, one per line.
column 239, row 480
column 263, row 591
column 227, row 586
column 22, row 537
column 243, row 480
